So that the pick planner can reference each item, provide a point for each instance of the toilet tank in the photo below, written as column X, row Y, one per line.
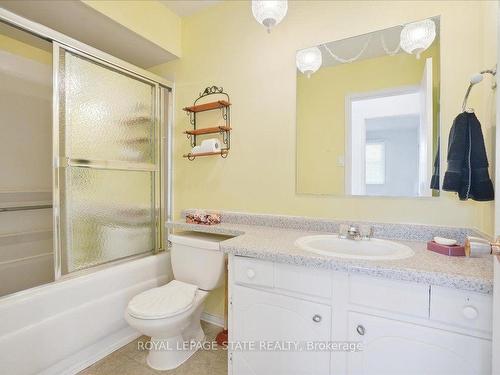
column 197, row 259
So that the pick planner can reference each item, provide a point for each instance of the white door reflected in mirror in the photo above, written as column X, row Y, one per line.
column 389, row 138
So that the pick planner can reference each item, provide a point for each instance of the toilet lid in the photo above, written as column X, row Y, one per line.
column 164, row 301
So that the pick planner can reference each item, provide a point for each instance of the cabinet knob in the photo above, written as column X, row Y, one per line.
column 317, row 318
column 360, row 329
column 470, row 312
column 250, row 273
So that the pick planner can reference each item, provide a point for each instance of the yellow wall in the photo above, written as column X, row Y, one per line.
column 25, row 115
column 147, row 18
column 321, row 111
column 19, row 48
column 225, row 46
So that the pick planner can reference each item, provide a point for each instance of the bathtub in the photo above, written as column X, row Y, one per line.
column 65, row 326
column 28, row 254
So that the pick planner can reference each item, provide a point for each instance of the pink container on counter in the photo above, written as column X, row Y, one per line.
column 453, row 250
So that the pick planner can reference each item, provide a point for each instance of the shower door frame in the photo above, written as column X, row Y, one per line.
column 163, row 122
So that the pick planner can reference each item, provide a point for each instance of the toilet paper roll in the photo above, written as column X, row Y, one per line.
column 210, row 145
column 196, row 150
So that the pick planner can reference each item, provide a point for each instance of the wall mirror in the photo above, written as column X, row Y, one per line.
column 368, row 113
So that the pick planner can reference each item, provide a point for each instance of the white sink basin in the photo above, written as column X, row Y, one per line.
column 374, row 249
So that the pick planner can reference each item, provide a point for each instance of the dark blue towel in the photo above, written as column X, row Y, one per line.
column 467, row 172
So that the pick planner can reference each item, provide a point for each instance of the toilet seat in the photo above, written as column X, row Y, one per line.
column 165, row 301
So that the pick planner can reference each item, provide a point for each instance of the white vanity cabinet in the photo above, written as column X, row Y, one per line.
column 392, row 347
column 278, row 305
column 403, row 327
column 276, row 320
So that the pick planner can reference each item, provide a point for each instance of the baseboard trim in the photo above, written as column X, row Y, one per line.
column 92, row 354
column 213, row 319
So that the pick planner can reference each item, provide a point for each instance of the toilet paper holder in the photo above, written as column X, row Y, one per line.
column 223, row 130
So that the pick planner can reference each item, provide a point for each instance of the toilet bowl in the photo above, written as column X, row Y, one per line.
column 170, row 336
column 170, row 314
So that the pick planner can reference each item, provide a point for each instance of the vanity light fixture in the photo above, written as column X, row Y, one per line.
column 416, row 37
column 309, row 60
column 269, row 12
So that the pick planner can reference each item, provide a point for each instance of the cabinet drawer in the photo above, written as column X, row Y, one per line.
column 253, row 272
column 303, row 280
column 390, row 295
column 461, row 308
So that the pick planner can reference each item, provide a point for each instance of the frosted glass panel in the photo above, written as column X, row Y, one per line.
column 108, row 115
column 109, row 215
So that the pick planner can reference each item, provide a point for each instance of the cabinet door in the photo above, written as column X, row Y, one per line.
column 391, row 347
column 260, row 317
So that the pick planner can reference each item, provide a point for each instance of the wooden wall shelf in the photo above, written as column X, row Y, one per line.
column 207, row 106
column 215, row 129
column 224, row 131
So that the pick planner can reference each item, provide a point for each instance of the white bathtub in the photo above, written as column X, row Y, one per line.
column 28, row 254
column 63, row 327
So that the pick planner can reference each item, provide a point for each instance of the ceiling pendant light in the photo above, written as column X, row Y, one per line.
column 309, row 60
column 416, row 37
column 269, row 12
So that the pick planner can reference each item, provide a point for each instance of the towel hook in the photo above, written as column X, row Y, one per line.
column 475, row 79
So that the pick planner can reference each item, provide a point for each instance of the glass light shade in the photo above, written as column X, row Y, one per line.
column 309, row 60
column 269, row 12
column 416, row 37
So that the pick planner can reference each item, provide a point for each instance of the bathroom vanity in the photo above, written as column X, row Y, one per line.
column 407, row 327
column 310, row 313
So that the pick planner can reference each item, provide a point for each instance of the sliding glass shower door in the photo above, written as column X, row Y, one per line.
column 26, row 250
column 107, row 169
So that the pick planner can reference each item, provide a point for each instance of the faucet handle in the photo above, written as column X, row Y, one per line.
column 353, row 230
column 366, row 231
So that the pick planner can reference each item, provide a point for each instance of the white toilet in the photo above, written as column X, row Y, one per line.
column 170, row 314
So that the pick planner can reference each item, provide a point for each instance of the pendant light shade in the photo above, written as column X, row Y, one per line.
column 416, row 37
column 309, row 60
column 269, row 12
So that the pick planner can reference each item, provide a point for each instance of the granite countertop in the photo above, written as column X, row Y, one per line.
column 277, row 244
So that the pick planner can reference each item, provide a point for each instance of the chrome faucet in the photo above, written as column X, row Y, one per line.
column 351, row 232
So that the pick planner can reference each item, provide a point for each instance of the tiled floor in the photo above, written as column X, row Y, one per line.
column 131, row 361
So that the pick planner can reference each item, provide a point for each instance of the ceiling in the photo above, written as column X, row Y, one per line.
column 184, row 8
column 81, row 22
